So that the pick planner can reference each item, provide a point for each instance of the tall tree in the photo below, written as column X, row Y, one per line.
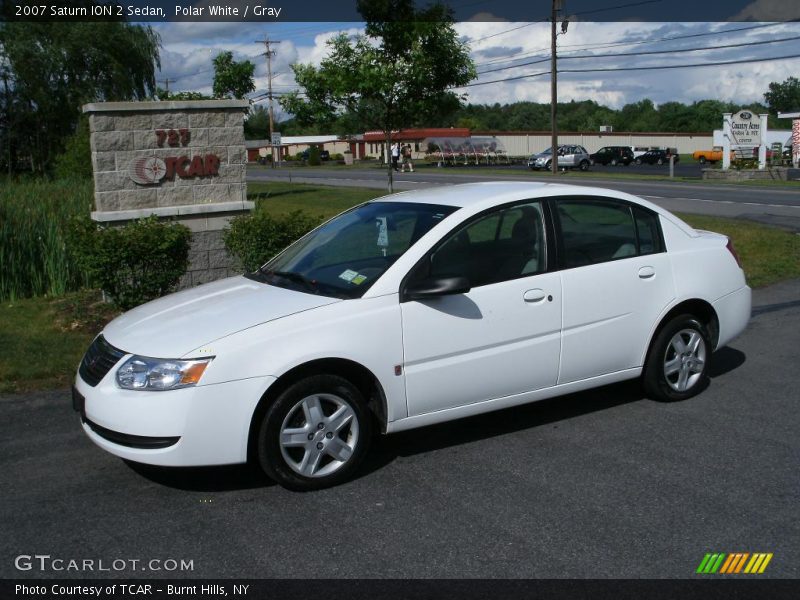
column 50, row 69
column 398, row 73
column 784, row 97
column 232, row 79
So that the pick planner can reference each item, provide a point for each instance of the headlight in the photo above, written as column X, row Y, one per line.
column 153, row 374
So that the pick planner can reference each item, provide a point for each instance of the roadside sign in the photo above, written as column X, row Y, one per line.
column 746, row 129
column 276, row 139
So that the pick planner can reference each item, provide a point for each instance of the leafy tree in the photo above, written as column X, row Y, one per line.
column 398, row 74
column 256, row 127
column 50, row 69
column 232, row 79
column 163, row 94
column 783, row 97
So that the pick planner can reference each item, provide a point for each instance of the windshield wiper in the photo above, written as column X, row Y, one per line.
column 309, row 284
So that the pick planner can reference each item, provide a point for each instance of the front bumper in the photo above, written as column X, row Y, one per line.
column 196, row 426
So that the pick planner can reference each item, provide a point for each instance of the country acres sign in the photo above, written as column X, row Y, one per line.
column 746, row 129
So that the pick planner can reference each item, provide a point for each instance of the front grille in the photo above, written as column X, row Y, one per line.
column 98, row 360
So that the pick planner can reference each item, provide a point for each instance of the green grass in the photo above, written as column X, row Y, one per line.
column 48, row 337
column 326, row 201
column 33, row 220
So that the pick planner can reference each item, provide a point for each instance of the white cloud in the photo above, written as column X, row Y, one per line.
column 189, row 48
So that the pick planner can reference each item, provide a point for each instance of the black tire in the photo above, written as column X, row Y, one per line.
column 584, row 166
column 665, row 386
column 549, row 165
column 614, row 162
column 638, row 161
column 282, row 462
column 660, row 161
column 702, row 160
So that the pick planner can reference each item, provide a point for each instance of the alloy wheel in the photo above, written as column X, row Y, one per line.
column 684, row 360
column 319, row 435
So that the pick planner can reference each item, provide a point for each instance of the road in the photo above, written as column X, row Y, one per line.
column 775, row 205
column 600, row 484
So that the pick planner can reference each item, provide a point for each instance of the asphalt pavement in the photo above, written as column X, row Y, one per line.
column 771, row 204
column 600, row 484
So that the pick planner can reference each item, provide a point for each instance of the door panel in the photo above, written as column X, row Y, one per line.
column 609, row 311
column 497, row 340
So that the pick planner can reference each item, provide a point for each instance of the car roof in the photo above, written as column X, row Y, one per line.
column 485, row 194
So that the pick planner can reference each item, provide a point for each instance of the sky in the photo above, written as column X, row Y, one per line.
column 497, row 47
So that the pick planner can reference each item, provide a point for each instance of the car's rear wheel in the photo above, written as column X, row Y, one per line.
column 614, row 162
column 638, row 161
column 677, row 363
column 315, row 434
column 702, row 160
column 660, row 161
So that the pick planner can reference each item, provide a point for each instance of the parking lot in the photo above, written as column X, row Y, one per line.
column 604, row 483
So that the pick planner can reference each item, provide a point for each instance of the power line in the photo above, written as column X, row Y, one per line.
column 650, row 68
column 581, row 47
column 587, row 12
column 648, row 52
column 689, row 66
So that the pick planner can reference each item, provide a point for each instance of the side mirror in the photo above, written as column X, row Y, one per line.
column 435, row 287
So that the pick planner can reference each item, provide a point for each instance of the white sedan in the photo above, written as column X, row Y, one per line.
column 409, row 310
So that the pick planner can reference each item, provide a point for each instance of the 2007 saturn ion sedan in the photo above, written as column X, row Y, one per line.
column 413, row 309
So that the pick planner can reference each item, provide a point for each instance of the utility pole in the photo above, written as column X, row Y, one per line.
column 166, row 83
column 269, row 53
column 553, row 89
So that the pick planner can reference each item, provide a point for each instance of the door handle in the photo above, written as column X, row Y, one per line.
column 647, row 273
column 535, row 295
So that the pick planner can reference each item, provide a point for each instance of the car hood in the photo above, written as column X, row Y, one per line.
column 174, row 325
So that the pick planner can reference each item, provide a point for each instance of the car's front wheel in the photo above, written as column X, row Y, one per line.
column 584, row 166
column 677, row 363
column 315, row 434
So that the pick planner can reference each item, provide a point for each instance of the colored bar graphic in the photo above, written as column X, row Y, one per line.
column 726, row 564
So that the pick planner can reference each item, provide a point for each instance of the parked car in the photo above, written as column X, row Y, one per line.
column 639, row 150
column 323, row 154
column 410, row 310
column 569, row 157
column 657, row 157
column 613, row 155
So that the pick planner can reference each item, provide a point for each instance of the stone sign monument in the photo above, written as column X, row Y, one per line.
column 181, row 160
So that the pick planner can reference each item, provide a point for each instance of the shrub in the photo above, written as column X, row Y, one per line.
column 254, row 239
column 337, row 156
column 314, row 159
column 135, row 263
column 76, row 160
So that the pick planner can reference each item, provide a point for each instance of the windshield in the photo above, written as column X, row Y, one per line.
column 346, row 255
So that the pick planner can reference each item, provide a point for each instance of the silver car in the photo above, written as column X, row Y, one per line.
column 569, row 157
